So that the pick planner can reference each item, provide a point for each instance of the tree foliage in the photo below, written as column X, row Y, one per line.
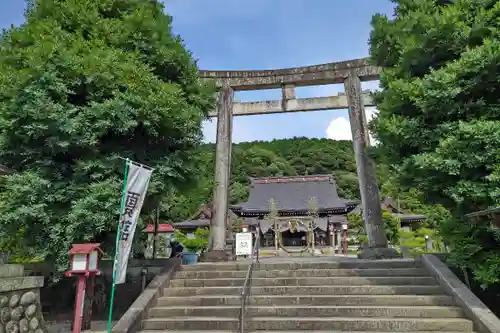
column 196, row 243
column 286, row 157
column 439, row 112
column 85, row 82
column 297, row 156
column 391, row 227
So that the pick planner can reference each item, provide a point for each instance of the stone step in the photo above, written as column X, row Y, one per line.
column 304, row 300
column 310, row 323
column 315, row 331
column 309, row 281
column 309, row 311
column 303, row 273
column 310, row 290
column 266, row 266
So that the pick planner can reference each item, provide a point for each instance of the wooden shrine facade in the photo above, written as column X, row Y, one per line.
column 295, row 198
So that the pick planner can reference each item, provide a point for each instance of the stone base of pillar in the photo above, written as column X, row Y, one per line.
column 215, row 256
column 378, row 253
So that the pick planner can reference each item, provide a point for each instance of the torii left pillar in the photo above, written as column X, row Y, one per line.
column 217, row 246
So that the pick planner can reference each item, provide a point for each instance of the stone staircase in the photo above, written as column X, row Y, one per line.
column 359, row 296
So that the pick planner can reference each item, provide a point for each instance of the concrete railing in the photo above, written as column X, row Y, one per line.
column 484, row 319
column 130, row 322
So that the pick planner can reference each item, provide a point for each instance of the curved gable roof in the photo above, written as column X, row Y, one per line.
column 293, row 193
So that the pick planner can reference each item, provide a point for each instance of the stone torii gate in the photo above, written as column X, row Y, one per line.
column 350, row 73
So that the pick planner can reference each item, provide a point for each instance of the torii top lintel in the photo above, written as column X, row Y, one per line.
column 331, row 73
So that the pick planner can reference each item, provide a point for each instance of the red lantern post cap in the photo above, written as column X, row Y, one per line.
column 85, row 248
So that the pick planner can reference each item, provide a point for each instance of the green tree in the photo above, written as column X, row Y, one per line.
column 439, row 120
column 411, row 200
column 182, row 203
column 284, row 157
column 254, row 162
column 257, row 161
column 391, row 226
column 85, row 82
column 347, row 184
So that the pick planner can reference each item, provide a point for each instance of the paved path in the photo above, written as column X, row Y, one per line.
column 65, row 326
column 316, row 259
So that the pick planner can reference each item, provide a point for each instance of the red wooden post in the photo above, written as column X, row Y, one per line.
column 88, row 303
column 79, row 299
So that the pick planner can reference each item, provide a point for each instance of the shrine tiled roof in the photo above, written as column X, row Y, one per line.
column 389, row 205
column 410, row 217
column 201, row 223
column 201, row 218
column 293, row 194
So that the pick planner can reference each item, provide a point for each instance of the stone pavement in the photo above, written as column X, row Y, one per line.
column 98, row 326
column 322, row 258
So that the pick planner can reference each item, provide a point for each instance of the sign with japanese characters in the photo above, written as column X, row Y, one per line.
column 243, row 243
column 136, row 188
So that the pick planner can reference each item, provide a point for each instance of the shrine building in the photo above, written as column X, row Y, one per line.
column 294, row 198
column 202, row 219
column 408, row 221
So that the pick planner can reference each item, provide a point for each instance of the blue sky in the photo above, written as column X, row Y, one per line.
column 268, row 34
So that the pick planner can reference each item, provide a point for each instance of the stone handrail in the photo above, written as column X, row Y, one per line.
column 130, row 322
column 483, row 318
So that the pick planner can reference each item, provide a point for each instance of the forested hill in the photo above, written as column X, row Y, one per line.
column 296, row 156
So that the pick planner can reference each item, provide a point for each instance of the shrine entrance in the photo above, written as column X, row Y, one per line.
column 295, row 239
column 294, row 235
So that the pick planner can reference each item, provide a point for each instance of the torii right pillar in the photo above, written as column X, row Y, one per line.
column 368, row 187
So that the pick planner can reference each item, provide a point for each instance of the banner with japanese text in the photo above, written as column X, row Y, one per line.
column 133, row 197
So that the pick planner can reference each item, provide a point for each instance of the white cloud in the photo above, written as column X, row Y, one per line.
column 340, row 128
